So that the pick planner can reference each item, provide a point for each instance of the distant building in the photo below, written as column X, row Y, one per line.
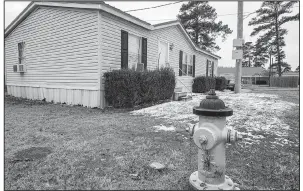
column 291, row 73
column 250, row 75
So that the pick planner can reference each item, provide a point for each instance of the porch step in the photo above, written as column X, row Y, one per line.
column 186, row 98
column 177, row 95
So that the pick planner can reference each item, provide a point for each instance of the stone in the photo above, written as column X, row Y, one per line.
column 134, row 176
column 157, row 166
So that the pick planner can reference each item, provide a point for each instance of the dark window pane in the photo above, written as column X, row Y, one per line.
column 184, row 69
column 190, row 70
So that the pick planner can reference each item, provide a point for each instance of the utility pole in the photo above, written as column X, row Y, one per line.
column 239, row 36
column 269, row 69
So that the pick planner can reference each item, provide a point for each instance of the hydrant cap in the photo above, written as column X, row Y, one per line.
column 212, row 106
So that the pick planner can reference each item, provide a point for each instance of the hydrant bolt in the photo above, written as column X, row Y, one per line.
column 203, row 140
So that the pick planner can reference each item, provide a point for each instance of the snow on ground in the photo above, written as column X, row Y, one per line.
column 164, row 128
column 253, row 112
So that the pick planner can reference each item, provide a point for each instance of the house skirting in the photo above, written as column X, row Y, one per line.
column 71, row 96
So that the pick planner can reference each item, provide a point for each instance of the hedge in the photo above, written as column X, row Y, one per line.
column 284, row 81
column 203, row 84
column 128, row 88
column 221, row 83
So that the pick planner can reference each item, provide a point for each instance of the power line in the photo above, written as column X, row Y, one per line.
column 256, row 12
column 217, row 16
column 153, row 7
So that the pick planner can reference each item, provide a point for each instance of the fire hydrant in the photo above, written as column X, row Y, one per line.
column 210, row 135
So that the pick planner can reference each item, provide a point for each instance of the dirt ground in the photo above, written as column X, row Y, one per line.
column 53, row 146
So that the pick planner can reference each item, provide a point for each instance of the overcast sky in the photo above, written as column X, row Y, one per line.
column 166, row 13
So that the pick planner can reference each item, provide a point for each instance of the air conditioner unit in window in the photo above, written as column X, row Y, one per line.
column 21, row 68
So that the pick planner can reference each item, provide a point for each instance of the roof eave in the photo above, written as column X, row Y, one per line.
column 19, row 18
column 177, row 23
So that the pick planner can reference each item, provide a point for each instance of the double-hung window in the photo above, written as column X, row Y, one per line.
column 209, row 68
column 187, row 64
column 184, row 63
column 21, row 58
column 134, row 51
column 190, row 66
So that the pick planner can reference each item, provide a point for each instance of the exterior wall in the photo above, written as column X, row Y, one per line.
column 111, row 48
column 173, row 35
column 111, row 27
column 111, row 43
column 61, row 56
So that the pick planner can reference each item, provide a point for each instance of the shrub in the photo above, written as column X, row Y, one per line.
column 284, row 81
column 203, row 84
column 127, row 88
column 221, row 83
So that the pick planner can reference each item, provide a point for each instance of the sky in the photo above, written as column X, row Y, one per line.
column 226, row 11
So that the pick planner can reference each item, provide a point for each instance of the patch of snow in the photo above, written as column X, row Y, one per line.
column 253, row 112
column 164, row 128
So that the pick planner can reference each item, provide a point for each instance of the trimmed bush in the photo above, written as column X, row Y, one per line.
column 128, row 88
column 221, row 83
column 203, row 84
column 284, row 81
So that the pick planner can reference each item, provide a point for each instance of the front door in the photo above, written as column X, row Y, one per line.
column 163, row 54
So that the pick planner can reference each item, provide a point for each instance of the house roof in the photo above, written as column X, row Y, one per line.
column 291, row 73
column 246, row 71
column 101, row 5
column 178, row 23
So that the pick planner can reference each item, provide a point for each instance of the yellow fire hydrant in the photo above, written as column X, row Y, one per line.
column 210, row 135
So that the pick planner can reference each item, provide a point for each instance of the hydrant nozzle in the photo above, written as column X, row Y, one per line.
column 233, row 136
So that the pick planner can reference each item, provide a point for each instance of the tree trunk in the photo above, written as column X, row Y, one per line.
column 197, row 37
column 277, row 40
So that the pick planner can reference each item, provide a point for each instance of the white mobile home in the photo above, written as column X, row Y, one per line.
column 59, row 51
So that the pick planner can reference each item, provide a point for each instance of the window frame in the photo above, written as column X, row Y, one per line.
column 21, row 52
column 139, row 52
column 165, row 42
column 187, row 59
column 210, row 71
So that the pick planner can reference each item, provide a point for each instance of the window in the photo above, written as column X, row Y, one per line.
column 190, row 66
column 187, row 64
column 163, row 54
column 134, row 51
column 210, row 71
column 21, row 57
column 184, row 64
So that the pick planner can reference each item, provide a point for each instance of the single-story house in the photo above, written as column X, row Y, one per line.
column 250, row 75
column 291, row 73
column 58, row 51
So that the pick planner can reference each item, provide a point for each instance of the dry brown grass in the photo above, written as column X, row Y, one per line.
column 95, row 149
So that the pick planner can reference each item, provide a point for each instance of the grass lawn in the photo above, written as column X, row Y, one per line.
column 54, row 146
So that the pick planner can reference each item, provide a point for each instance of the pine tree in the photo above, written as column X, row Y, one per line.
column 199, row 20
column 248, row 52
column 269, row 20
column 260, row 56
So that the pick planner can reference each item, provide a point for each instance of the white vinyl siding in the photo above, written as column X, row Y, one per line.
column 61, row 49
column 111, row 42
column 174, row 36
